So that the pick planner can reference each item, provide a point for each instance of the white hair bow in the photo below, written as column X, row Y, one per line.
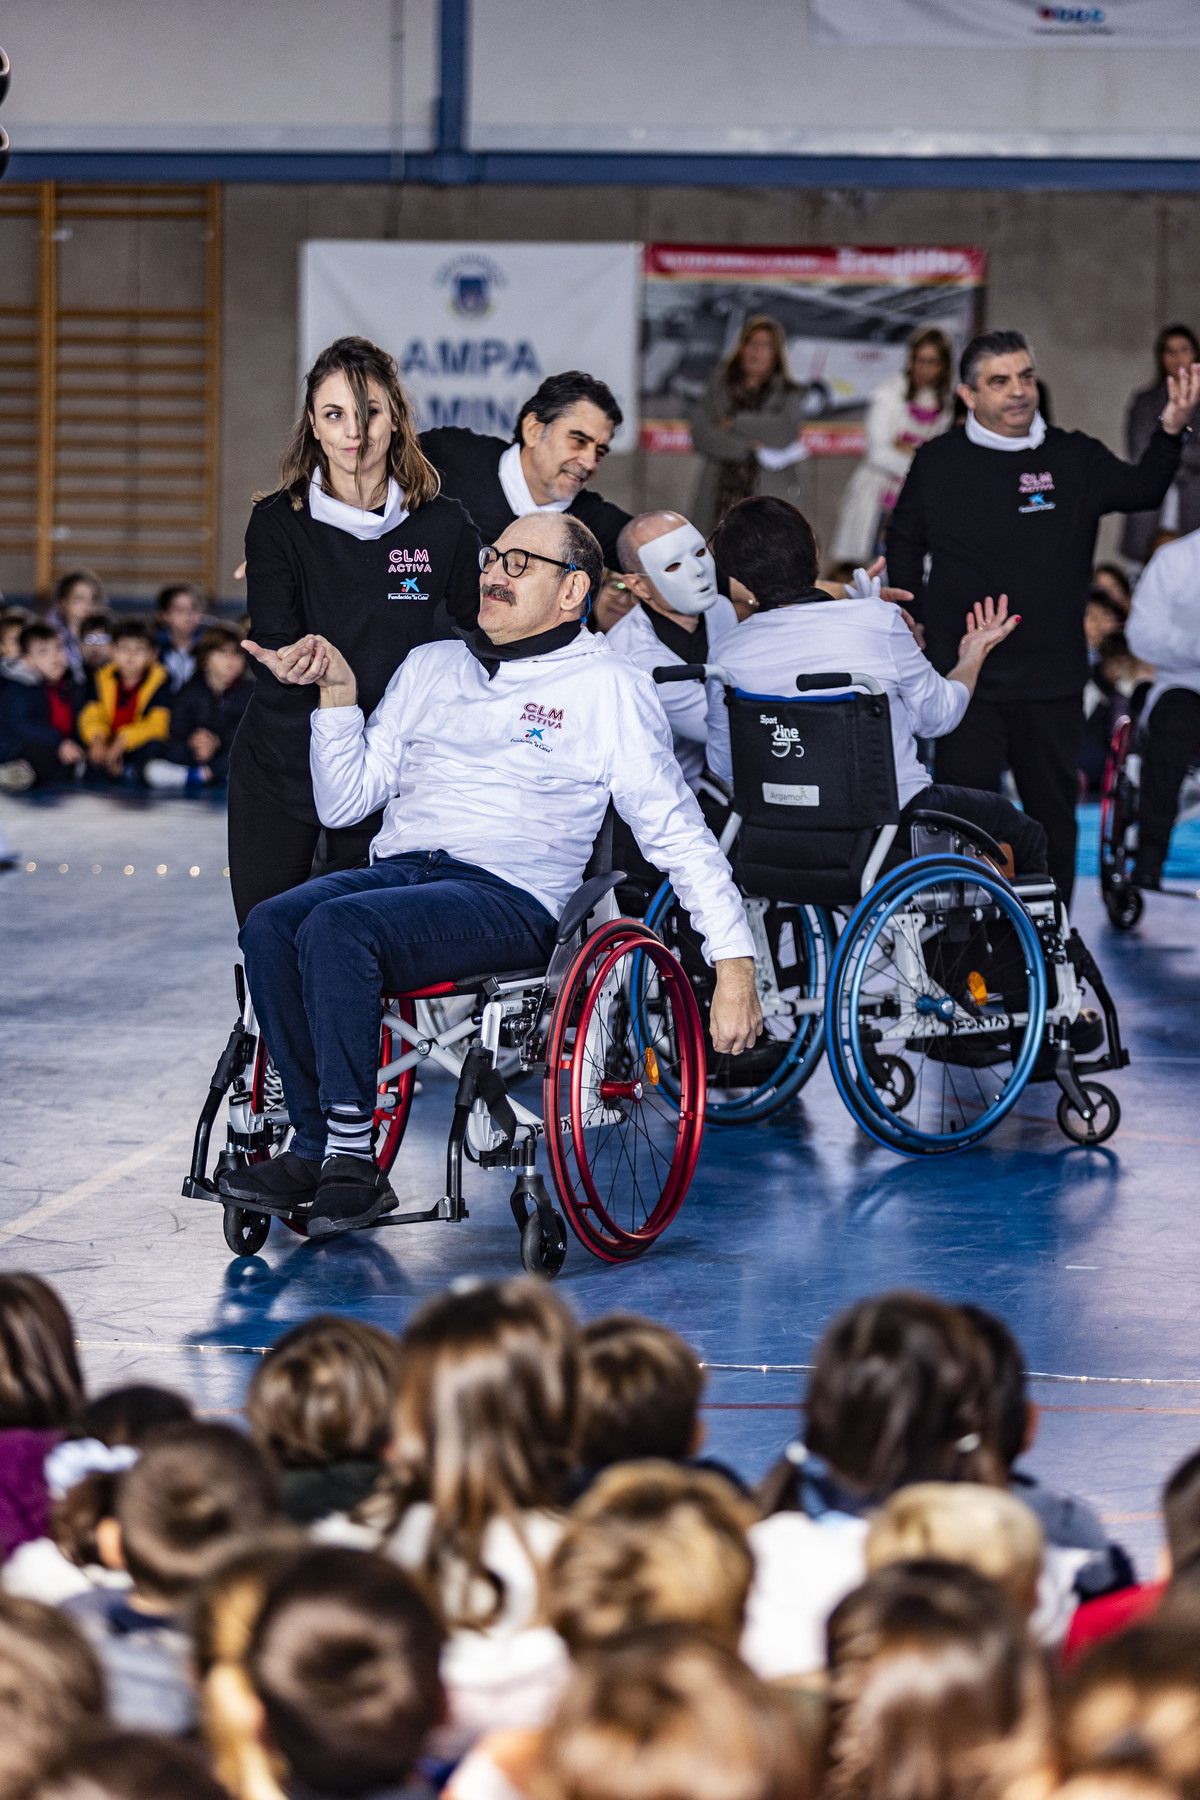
column 73, row 1461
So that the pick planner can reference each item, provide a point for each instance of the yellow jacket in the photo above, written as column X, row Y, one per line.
column 149, row 722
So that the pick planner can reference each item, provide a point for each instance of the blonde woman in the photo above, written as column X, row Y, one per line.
column 358, row 545
column 903, row 413
column 752, row 404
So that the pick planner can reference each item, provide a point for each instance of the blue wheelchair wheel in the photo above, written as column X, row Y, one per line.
column 936, row 1005
column 744, row 1088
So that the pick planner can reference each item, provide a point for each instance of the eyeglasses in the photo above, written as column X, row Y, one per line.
column 515, row 562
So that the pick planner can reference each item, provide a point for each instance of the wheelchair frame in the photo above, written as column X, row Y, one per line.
column 1120, row 795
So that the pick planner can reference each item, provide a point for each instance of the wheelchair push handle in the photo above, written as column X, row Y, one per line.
column 839, row 679
column 691, row 672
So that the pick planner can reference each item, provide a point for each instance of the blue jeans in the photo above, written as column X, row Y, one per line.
column 319, row 955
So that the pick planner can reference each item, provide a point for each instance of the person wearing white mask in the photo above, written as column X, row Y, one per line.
column 1009, row 506
column 562, row 435
column 679, row 618
column 358, row 545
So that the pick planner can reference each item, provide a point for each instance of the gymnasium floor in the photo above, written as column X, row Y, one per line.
column 116, row 995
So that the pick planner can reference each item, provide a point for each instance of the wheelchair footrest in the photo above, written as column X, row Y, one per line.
column 441, row 1209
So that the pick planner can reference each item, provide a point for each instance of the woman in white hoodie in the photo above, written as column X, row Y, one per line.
column 903, row 413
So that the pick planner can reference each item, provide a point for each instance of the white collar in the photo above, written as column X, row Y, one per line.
column 516, row 488
column 991, row 440
column 362, row 525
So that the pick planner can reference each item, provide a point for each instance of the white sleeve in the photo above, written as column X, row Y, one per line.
column 719, row 755
column 1164, row 624
column 935, row 704
column 882, row 425
column 651, row 795
column 356, row 767
column 682, row 701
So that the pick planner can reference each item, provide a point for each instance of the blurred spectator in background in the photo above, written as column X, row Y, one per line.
column 615, row 599
column 127, row 723
column 13, row 621
column 1175, row 349
column 95, row 641
column 205, row 714
column 752, row 410
column 179, row 620
column 1111, row 580
column 39, row 702
column 75, row 596
column 904, row 412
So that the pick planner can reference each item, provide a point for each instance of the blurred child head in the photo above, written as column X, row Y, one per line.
column 639, row 1388
column 650, row 1543
column 193, row 1493
column 484, row 1421
column 1016, row 1414
column 1119, row 666
column 902, row 1391
column 76, row 595
column 324, row 1393
column 51, row 1690
column 666, row 1714
column 124, row 1765
column 132, row 651
column 13, row 620
column 960, row 1522
column 95, row 639
column 83, row 1480
column 41, row 1387
column 220, row 658
column 936, row 1692
column 180, row 608
column 1111, row 580
column 1102, row 616
column 43, row 651
column 1181, row 1511
column 344, row 1660
column 1133, row 1703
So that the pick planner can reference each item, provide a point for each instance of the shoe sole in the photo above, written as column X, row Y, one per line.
column 250, row 1196
column 321, row 1227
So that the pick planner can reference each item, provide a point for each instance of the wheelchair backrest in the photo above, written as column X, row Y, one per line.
column 814, row 781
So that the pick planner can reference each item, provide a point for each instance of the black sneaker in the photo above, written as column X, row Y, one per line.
column 1148, row 875
column 351, row 1193
column 284, row 1180
column 1087, row 1031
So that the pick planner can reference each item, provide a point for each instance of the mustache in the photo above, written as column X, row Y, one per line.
column 489, row 591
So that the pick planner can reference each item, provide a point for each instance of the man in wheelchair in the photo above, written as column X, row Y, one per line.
column 768, row 545
column 1164, row 629
column 495, row 759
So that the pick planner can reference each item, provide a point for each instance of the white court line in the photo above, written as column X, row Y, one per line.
column 49, row 1209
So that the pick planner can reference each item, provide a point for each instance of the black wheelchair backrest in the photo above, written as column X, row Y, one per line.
column 814, row 781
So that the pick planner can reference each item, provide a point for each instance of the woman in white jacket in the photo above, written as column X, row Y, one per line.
column 903, row 413
column 1164, row 629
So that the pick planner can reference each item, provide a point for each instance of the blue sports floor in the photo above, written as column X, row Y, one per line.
column 116, row 995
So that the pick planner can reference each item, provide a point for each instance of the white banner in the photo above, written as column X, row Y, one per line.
column 1034, row 24
column 475, row 328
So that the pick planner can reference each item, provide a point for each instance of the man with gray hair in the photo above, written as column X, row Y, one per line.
column 679, row 619
column 1009, row 506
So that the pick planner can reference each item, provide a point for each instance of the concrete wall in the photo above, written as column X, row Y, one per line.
column 1091, row 277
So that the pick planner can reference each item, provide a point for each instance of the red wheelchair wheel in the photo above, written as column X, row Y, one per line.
column 622, row 1151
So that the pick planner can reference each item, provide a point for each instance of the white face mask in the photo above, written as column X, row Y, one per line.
column 681, row 567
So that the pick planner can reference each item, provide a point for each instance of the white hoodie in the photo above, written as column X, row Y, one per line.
column 1164, row 625
column 513, row 774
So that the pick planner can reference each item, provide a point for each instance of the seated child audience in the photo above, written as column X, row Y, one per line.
column 320, row 1405
column 935, row 1690
column 127, row 1766
column 51, row 1692
column 81, row 1473
column 205, row 714
column 77, row 595
column 1132, row 1604
column 179, row 621
column 95, row 644
column 39, row 705
column 41, row 1390
column 194, row 1491
column 1133, row 1704
column 961, row 1522
column 13, row 620
column 128, row 722
column 344, row 1664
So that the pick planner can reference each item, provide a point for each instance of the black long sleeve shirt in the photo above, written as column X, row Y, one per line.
column 374, row 600
column 469, row 465
column 1021, row 523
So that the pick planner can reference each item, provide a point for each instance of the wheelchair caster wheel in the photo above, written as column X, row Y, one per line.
column 895, row 1083
column 541, row 1255
column 245, row 1232
column 1099, row 1128
column 1125, row 907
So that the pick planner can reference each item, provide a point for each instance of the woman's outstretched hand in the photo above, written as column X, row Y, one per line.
column 988, row 624
column 311, row 661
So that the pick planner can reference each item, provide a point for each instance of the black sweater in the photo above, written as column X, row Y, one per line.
column 375, row 601
column 469, row 465
column 1021, row 523
column 197, row 708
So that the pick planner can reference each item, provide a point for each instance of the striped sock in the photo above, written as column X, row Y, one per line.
column 349, row 1132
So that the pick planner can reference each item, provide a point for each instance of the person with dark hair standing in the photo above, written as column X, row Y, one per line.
column 562, row 435
column 357, row 544
column 747, row 426
column 1009, row 507
column 1175, row 349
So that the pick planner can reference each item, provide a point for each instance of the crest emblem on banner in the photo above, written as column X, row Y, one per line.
column 471, row 282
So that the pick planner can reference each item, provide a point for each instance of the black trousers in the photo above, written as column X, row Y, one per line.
column 270, row 851
column 996, row 815
column 1172, row 739
column 1039, row 740
column 43, row 760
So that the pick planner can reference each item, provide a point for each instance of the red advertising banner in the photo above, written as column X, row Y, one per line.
column 848, row 312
